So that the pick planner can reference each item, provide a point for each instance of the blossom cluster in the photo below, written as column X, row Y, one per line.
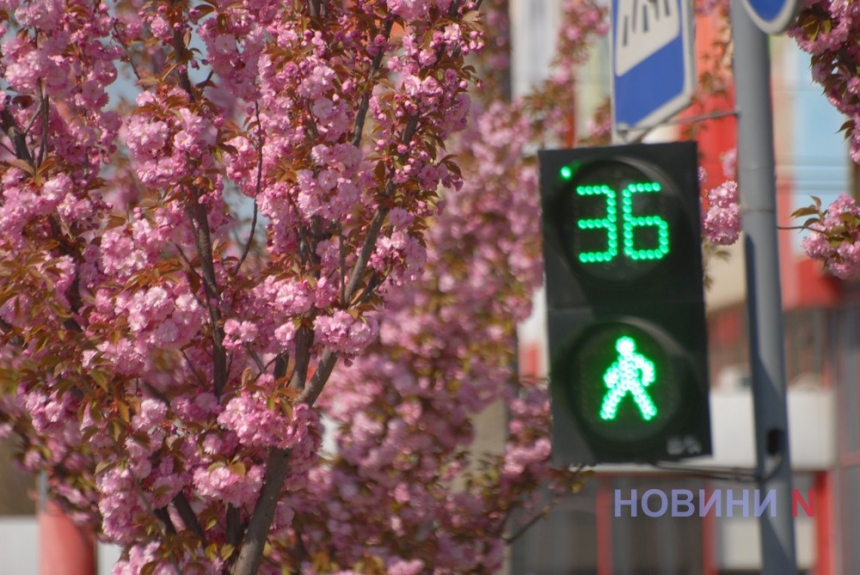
column 180, row 271
column 722, row 219
column 827, row 30
column 834, row 235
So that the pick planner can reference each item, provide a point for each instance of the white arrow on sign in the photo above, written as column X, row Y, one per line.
column 645, row 27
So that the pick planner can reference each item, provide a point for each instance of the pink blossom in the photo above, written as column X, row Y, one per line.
column 722, row 222
column 154, row 331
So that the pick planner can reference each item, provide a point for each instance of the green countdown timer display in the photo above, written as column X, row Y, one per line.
column 617, row 219
column 624, row 382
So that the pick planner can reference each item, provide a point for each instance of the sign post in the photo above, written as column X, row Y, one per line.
column 757, row 180
column 653, row 71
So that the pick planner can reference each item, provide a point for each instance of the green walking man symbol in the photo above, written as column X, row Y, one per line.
column 631, row 373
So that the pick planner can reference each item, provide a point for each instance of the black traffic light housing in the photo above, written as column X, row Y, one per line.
column 625, row 303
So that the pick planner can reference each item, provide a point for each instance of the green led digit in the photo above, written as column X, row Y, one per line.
column 609, row 223
column 631, row 222
column 631, row 373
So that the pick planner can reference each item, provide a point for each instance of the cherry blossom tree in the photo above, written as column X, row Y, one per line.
column 160, row 360
column 828, row 31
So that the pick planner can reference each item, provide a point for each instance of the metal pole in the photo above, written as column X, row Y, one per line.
column 756, row 173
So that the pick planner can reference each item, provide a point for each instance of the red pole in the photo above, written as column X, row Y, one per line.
column 709, row 542
column 64, row 548
column 823, row 525
column 604, row 527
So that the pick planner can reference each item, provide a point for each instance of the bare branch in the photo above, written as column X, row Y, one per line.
column 191, row 367
column 376, row 224
column 19, row 140
column 534, row 519
column 181, row 54
column 255, row 357
column 365, row 253
column 364, row 106
column 281, row 363
column 190, row 270
column 43, row 112
column 164, row 516
column 304, row 341
column 257, row 194
column 203, row 241
column 125, row 49
column 234, row 525
column 320, row 377
column 188, row 516
column 342, row 264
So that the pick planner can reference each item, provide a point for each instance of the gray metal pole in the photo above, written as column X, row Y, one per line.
column 757, row 180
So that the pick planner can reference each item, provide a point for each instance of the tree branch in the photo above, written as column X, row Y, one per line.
column 164, row 516
column 257, row 194
column 304, row 341
column 537, row 517
column 43, row 113
column 364, row 106
column 255, row 357
column 203, row 239
column 181, row 54
column 376, row 224
column 19, row 140
column 188, row 516
column 203, row 242
column 234, row 525
column 365, row 253
column 251, row 554
column 320, row 377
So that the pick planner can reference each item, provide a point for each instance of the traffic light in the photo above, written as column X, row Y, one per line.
column 625, row 303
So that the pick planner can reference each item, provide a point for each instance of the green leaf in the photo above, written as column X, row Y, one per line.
column 101, row 378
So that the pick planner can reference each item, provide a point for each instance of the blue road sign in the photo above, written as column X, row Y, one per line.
column 653, row 70
column 772, row 16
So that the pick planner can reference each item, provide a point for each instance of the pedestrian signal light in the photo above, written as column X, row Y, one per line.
column 630, row 374
column 625, row 303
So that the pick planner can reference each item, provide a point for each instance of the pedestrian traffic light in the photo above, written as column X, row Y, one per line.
column 625, row 303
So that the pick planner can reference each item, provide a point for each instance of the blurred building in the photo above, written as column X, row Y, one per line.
column 583, row 536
